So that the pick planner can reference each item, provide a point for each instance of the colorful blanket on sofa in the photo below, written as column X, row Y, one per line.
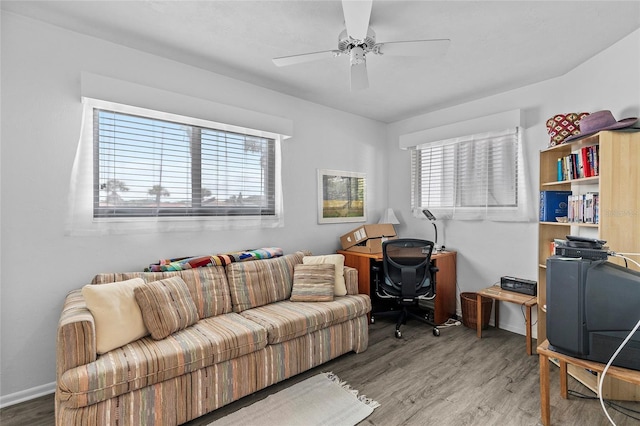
column 182, row 263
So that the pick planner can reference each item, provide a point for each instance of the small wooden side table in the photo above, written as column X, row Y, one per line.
column 496, row 293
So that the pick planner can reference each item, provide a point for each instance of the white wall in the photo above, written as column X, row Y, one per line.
column 41, row 113
column 489, row 250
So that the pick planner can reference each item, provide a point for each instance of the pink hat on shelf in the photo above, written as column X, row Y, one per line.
column 600, row 120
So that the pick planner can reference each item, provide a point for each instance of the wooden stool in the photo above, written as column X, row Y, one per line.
column 498, row 294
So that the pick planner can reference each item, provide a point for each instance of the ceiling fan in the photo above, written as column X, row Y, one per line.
column 358, row 39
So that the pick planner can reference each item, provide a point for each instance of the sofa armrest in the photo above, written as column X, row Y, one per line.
column 351, row 279
column 76, row 339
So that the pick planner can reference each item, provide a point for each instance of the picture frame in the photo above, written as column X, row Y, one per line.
column 341, row 196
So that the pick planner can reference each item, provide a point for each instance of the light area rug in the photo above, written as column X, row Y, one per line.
column 322, row 399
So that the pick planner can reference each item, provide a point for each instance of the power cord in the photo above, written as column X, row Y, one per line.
column 613, row 405
column 524, row 316
column 450, row 323
column 626, row 259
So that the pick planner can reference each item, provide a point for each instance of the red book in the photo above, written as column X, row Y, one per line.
column 585, row 162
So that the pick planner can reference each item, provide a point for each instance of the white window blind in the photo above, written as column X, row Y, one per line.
column 472, row 177
column 140, row 170
column 150, row 167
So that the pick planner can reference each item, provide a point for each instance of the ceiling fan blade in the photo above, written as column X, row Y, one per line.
column 284, row 61
column 356, row 17
column 359, row 78
column 435, row 47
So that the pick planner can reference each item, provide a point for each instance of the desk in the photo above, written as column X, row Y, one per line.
column 445, row 303
column 624, row 374
column 496, row 293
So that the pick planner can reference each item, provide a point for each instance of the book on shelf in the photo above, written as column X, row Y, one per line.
column 579, row 164
column 575, row 170
column 594, row 159
column 553, row 204
column 585, row 169
column 583, row 208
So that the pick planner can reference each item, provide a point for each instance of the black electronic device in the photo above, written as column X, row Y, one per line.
column 592, row 306
column 588, row 242
column 584, row 253
column 519, row 285
column 582, row 247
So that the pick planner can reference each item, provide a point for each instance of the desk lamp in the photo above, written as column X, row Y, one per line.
column 432, row 218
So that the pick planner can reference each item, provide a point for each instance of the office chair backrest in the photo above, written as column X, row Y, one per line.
column 407, row 267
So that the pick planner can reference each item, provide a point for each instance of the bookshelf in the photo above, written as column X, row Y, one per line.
column 618, row 188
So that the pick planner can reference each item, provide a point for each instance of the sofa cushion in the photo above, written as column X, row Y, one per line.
column 338, row 261
column 147, row 361
column 287, row 320
column 313, row 283
column 208, row 286
column 166, row 306
column 260, row 282
column 117, row 317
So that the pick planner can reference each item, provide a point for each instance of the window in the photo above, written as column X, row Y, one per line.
column 150, row 167
column 150, row 160
column 474, row 177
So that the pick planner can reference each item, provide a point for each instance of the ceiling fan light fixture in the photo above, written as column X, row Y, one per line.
column 346, row 43
column 356, row 54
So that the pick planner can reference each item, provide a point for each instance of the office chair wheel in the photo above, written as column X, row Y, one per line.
column 436, row 332
column 398, row 334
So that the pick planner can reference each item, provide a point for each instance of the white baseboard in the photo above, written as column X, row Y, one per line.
column 518, row 329
column 27, row 394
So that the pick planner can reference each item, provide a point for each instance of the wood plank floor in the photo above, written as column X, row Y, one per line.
column 455, row 379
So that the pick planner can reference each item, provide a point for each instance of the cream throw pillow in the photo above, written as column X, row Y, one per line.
column 116, row 313
column 340, row 288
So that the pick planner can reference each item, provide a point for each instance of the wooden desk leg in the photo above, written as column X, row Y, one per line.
column 496, row 316
column 564, row 389
column 528, row 330
column 479, row 315
column 545, row 413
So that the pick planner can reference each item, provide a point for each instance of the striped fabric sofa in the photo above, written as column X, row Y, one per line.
column 248, row 336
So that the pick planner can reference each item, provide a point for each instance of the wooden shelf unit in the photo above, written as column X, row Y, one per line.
column 618, row 186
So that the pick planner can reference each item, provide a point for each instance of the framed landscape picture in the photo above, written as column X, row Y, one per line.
column 341, row 196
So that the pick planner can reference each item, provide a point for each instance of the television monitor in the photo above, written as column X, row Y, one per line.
column 592, row 305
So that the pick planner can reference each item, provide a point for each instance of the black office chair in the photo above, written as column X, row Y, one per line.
column 408, row 279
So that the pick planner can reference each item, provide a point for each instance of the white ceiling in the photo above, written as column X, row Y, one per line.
column 495, row 45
